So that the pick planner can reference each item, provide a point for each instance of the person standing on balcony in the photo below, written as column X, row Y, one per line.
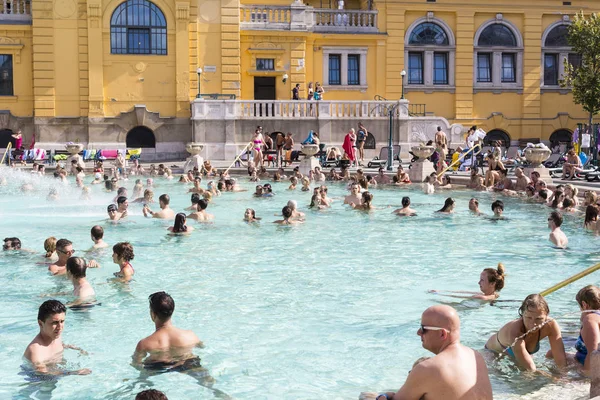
column 361, row 136
column 296, row 92
column 319, row 91
column 311, row 95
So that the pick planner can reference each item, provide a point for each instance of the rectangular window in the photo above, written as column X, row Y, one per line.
column 6, row 75
column 415, row 68
column 440, row 68
column 575, row 60
column 353, row 69
column 484, row 67
column 138, row 41
column 551, row 69
column 335, row 69
column 265, row 64
column 508, row 68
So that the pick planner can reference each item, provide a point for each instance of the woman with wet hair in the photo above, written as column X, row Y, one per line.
column 591, row 218
column 122, row 255
column 491, row 282
column 179, row 227
column 520, row 338
column 448, row 206
column 588, row 299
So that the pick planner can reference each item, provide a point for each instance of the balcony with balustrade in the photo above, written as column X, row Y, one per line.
column 15, row 12
column 299, row 17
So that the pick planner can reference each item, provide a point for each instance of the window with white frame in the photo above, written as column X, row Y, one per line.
column 345, row 68
column 556, row 49
column 429, row 55
column 498, row 57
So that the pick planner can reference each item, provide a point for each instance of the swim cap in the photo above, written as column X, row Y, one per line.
column 98, row 175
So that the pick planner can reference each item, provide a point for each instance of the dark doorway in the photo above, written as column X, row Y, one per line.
column 561, row 136
column 140, row 136
column 370, row 141
column 496, row 135
column 264, row 89
column 6, row 138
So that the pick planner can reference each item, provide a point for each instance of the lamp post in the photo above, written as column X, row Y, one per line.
column 402, row 74
column 199, row 72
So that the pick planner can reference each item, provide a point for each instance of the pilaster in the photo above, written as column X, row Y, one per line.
column 82, row 36
column 230, row 48
column 182, row 57
column 532, row 55
column 465, row 32
column 194, row 62
column 298, row 65
column 43, row 58
column 95, row 60
column 394, row 15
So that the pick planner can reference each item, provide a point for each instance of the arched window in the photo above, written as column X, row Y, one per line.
column 430, row 54
column 498, row 56
column 428, row 33
column 497, row 35
column 138, row 27
column 556, row 48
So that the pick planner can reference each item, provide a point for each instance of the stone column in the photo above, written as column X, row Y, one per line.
column 42, row 15
column 532, row 31
column 182, row 58
column 465, row 25
column 230, row 47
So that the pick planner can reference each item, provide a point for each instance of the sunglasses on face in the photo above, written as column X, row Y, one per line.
column 424, row 329
column 66, row 252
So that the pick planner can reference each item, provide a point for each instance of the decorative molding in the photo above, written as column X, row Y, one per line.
column 499, row 17
column 140, row 66
column 94, row 10
column 566, row 18
column 429, row 16
column 183, row 11
column 11, row 46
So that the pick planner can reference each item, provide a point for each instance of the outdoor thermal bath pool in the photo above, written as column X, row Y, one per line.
column 326, row 309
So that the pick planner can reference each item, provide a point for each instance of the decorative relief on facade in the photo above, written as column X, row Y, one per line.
column 140, row 67
column 183, row 11
column 11, row 46
column 422, row 131
column 94, row 10
column 65, row 8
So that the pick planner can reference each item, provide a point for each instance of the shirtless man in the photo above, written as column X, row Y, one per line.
column 455, row 372
column 11, row 243
column 317, row 175
column 197, row 188
column 76, row 271
column 382, row 178
column 405, row 211
column 522, row 180
column 474, row 206
column 122, row 205
column 441, row 142
column 201, row 215
column 168, row 345
column 97, row 234
column 46, row 349
column 354, row 196
column 557, row 236
column 165, row 211
column 293, row 204
column 64, row 249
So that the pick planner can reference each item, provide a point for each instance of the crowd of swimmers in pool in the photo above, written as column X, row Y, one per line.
column 455, row 372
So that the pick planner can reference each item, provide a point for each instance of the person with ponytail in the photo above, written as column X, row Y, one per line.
column 179, row 226
column 50, row 247
column 491, row 282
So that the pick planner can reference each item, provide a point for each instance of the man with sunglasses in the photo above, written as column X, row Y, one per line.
column 64, row 249
column 455, row 372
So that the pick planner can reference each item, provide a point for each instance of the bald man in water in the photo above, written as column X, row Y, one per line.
column 456, row 371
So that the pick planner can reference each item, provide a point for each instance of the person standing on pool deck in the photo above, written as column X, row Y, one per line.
column 168, row 344
column 164, row 213
column 557, row 236
column 455, row 372
column 46, row 349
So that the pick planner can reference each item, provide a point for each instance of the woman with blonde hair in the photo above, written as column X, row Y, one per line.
column 571, row 192
column 589, row 197
column 520, row 338
column 50, row 247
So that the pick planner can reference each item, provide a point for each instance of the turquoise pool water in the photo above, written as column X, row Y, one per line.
column 328, row 308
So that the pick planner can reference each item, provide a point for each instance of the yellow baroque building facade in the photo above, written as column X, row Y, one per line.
column 94, row 71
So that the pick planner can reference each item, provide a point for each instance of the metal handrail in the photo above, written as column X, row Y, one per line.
column 6, row 152
column 471, row 150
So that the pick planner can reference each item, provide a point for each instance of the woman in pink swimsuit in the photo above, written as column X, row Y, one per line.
column 257, row 147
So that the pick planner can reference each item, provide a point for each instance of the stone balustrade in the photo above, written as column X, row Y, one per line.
column 299, row 17
column 302, row 109
column 15, row 11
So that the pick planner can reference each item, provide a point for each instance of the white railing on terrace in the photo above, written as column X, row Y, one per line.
column 270, row 17
column 15, row 11
column 302, row 109
column 345, row 20
column 299, row 17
